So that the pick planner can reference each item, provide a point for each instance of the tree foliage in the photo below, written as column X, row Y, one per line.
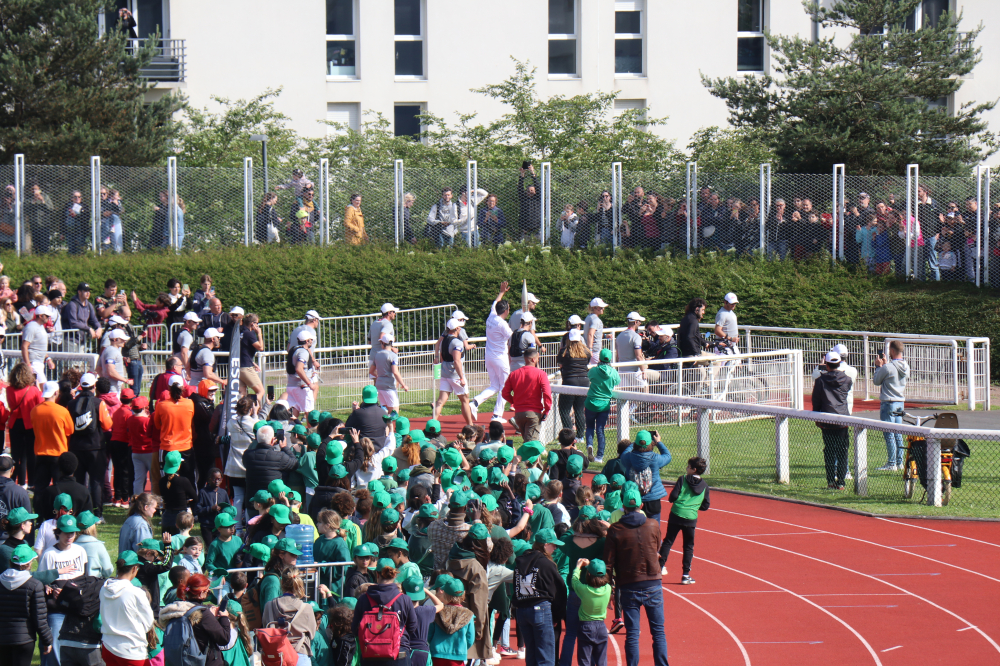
column 867, row 102
column 730, row 150
column 69, row 92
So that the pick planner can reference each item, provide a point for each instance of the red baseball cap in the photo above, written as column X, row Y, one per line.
column 141, row 402
column 127, row 394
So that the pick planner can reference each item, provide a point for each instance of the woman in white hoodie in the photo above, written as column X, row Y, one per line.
column 126, row 615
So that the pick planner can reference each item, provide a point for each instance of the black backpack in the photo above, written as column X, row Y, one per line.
column 510, row 509
column 290, row 366
column 515, row 343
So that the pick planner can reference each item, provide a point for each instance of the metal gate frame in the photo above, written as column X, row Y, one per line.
column 616, row 203
column 691, row 182
column 397, row 199
column 837, row 244
column 248, row 207
column 912, row 184
column 765, row 204
column 471, row 186
column 19, row 226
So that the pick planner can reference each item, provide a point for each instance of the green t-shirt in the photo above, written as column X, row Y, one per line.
column 389, row 483
column 603, row 380
column 308, row 477
column 270, row 588
column 352, row 534
column 220, row 553
column 331, row 550
column 594, row 602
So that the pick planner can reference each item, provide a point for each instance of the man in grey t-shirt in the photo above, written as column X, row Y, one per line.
column 593, row 329
column 453, row 373
column 628, row 347
column 725, row 321
column 522, row 340
column 385, row 368
column 111, row 364
column 380, row 326
column 35, row 343
column 515, row 319
column 203, row 363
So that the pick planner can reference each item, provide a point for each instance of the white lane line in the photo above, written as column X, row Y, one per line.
column 779, row 534
column 854, row 631
column 906, row 574
column 746, row 657
column 618, row 650
column 854, row 571
column 892, row 648
column 871, row 543
column 927, row 529
column 735, row 592
column 930, row 545
column 782, row 642
column 966, row 628
column 858, row 594
column 865, row 606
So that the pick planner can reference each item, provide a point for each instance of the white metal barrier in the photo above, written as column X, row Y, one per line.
column 62, row 361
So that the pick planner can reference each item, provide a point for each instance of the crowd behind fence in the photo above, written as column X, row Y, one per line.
column 929, row 227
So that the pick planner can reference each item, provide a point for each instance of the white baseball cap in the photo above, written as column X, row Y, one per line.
column 44, row 310
column 832, row 357
column 88, row 379
column 49, row 389
column 575, row 335
column 731, row 298
column 175, row 380
column 840, row 349
column 635, row 316
column 386, row 307
column 598, row 303
column 190, row 316
column 115, row 319
column 527, row 317
column 307, row 334
column 312, row 314
column 237, row 310
column 532, row 298
column 387, row 338
column 118, row 334
column 212, row 386
column 574, row 320
column 212, row 333
column 453, row 324
column 459, row 315
column 664, row 330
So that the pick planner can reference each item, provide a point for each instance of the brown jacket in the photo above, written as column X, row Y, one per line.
column 472, row 574
column 301, row 621
column 631, row 549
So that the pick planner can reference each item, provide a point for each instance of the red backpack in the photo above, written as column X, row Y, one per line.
column 275, row 648
column 380, row 633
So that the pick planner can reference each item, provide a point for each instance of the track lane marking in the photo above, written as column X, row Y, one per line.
column 746, row 657
column 892, row 648
column 927, row 529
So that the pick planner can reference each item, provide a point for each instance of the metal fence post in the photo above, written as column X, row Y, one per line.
column 838, row 212
column 933, row 471
column 172, row 200
column 984, row 240
column 912, row 184
column 692, row 206
column 623, row 426
column 860, row 461
column 546, row 202
column 397, row 177
column 95, row 199
column 765, row 203
column 616, row 203
column 472, row 184
column 782, row 465
column 980, row 246
column 703, row 445
column 323, row 181
column 248, row 208
column 19, row 226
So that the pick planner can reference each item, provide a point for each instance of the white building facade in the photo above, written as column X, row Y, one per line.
column 339, row 59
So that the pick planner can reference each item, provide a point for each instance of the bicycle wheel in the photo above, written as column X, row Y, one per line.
column 909, row 482
column 945, row 492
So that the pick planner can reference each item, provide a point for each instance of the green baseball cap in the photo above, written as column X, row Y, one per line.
column 261, row 497
column 497, row 477
column 478, row 475
column 403, row 475
column 86, row 519
column 288, row 546
column 600, row 480
column 605, row 356
column 381, row 500
column 535, row 473
column 389, row 465
column 338, row 471
column 62, row 501
column 376, row 486
column 458, row 499
column 334, row 452
column 25, row 553
column 224, row 520
column 299, row 429
column 369, row 395
column 384, row 563
column 427, row 511
column 632, row 499
column 390, row 516
column 414, row 588
column 270, row 540
column 323, row 416
column 398, row 497
column 533, row 491
column 553, row 458
column 228, row 508
column 487, row 455
column 418, row 436
column 505, row 454
column 441, row 580
column 67, row 523
column 453, row 587
column 587, row 512
column 277, row 487
column 234, row 607
column 277, row 426
column 398, row 544
column 172, row 462
column 446, row 478
column 520, row 546
column 362, row 550
column 644, row 438
column 618, row 480
column 294, row 496
column 574, row 465
column 313, row 440
column 279, row 514
column 489, row 502
column 259, row 551
column 479, row 532
column 257, row 426
column 604, row 515
column 597, row 568
column 613, row 501
column 402, row 426
column 152, row 544
column 460, row 480
column 127, row 558
column 313, row 417
column 547, row 535
column 19, row 514
column 452, row 458
column 432, row 427
column 529, row 451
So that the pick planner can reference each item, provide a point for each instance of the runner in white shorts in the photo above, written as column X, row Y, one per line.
column 593, row 329
column 452, row 373
column 497, row 362
column 301, row 386
column 385, row 369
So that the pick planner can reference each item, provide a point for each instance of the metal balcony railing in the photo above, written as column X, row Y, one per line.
column 169, row 61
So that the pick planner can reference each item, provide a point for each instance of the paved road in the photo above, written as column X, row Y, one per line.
column 978, row 420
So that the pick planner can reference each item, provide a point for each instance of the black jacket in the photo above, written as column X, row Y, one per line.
column 23, row 614
column 537, row 579
column 265, row 464
column 80, row 601
column 68, row 485
column 573, row 370
column 321, row 500
column 529, row 218
column 203, row 439
column 369, row 422
column 558, row 470
column 830, row 391
column 689, row 337
column 353, row 579
column 11, row 497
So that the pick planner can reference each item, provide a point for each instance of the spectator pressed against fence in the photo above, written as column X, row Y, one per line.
column 529, row 204
column 442, row 221
column 891, row 376
column 830, row 395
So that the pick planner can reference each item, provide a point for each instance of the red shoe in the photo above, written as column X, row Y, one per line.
column 617, row 625
column 504, row 651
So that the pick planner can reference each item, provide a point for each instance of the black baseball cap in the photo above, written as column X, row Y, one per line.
column 83, row 286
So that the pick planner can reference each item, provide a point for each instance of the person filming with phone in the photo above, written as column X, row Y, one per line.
column 890, row 376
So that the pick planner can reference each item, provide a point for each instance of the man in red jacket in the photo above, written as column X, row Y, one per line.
column 527, row 390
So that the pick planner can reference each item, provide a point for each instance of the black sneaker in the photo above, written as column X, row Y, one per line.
column 687, row 580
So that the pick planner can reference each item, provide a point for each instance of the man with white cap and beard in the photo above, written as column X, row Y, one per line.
column 628, row 348
column 522, row 340
column 203, row 362
column 593, row 329
column 515, row 319
column 453, row 373
column 498, row 333
column 460, row 317
column 381, row 325
column 385, row 368
column 111, row 364
column 725, row 322
column 301, row 387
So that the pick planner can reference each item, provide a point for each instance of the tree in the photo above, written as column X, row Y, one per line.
column 69, row 92
column 730, row 150
column 866, row 103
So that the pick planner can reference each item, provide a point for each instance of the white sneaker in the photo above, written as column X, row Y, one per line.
column 848, row 477
column 474, row 406
column 663, row 571
column 899, row 468
column 599, row 459
column 886, row 468
column 520, row 654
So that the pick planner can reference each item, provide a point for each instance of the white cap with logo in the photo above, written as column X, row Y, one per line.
column 190, row 316
column 598, row 303
column 635, row 316
column 574, row 320
column 731, row 298
column 212, row 333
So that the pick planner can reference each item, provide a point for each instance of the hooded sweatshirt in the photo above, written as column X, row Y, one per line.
column 645, row 465
column 689, row 496
column 452, row 634
column 603, row 380
column 892, row 378
column 295, row 616
column 537, row 579
column 830, row 391
column 126, row 617
column 383, row 593
column 22, row 609
column 211, row 633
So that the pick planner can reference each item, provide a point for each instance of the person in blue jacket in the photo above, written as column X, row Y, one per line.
column 642, row 465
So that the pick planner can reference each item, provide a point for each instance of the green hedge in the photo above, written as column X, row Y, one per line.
column 282, row 283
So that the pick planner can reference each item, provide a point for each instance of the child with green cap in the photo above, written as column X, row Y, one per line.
column 603, row 379
column 223, row 549
column 419, row 544
column 306, row 477
column 389, row 466
column 359, row 574
column 64, row 553
column 591, row 584
column 599, row 485
column 688, row 496
column 453, row 633
column 17, row 523
column 62, row 505
column 331, row 547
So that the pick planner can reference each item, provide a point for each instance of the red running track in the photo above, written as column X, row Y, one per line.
column 786, row 584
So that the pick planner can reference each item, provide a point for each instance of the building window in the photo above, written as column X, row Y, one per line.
column 628, row 38
column 341, row 43
column 926, row 15
column 409, row 39
column 562, row 37
column 345, row 115
column 407, row 120
column 623, row 105
column 750, row 36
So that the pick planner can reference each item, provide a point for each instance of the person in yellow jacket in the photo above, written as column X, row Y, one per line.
column 354, row 222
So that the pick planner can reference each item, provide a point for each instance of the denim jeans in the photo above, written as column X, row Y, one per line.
column 534, row 624
column 135, row 371
column 596, row 420
column 572, row 626
column 55, row 625
column 651, row 599
column 893, row 440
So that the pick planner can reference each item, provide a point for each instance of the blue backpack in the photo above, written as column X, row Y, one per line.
column 179, row 645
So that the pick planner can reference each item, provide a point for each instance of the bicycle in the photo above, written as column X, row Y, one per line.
column 953, row 454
